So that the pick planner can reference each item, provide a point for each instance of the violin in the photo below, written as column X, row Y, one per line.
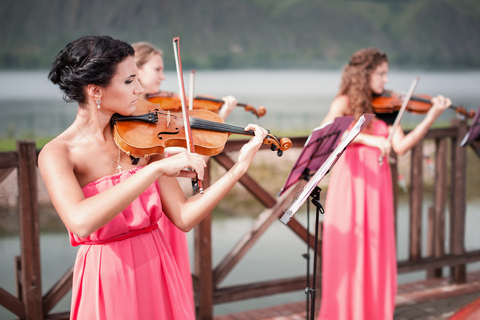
column 168, row 101
column 150, row 130
column 390, row 101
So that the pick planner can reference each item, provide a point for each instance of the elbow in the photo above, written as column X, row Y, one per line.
column 400, row 151
column 184, row 227
column 79, row 228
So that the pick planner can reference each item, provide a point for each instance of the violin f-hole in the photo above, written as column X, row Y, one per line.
column 159, row 135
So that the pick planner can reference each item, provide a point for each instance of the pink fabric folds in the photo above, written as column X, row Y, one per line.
column 359, row 279
column 177, row 239
column 134, row 278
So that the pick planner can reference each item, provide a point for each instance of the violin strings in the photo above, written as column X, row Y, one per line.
column 197, row 123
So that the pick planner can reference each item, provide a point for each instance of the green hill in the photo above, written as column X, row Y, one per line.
column 440, row 34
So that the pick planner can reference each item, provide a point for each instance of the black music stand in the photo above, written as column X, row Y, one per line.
column 472, row 137
column 319, row 154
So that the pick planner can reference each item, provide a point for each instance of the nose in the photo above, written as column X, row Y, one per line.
column 139, row 88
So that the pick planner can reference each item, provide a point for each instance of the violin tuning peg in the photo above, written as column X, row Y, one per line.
column 279, row 153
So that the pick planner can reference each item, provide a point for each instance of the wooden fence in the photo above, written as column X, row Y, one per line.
column 450, row 180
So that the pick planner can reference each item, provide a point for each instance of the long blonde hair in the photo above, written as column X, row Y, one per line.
column 144, row 52
column 356, row 79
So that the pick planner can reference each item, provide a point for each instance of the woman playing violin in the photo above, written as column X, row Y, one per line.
column 359, row 259
column 111, row 207
column 149, row 60
column 150, row 66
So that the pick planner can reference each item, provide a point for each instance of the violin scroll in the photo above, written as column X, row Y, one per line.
column 259, row 113
column 278, row 145
column 461, row 110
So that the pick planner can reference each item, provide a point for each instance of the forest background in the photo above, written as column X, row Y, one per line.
column 236, row 34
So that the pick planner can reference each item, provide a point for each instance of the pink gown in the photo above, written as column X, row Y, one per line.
column 177, row 239
column 126, row 270
column 359, row 277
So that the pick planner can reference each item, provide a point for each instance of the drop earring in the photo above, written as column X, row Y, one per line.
column 98, row 104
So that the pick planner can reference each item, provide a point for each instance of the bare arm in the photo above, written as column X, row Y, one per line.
column 84, row 216
column 401, row 143
column 228, row 106
column 186, row 213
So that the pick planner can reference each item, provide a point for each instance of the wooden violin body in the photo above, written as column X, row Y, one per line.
column 150, row 130
column 390, row 101
column 171, row 102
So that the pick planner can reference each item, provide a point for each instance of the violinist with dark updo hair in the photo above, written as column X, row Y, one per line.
column 359, row 266
column 111, row 205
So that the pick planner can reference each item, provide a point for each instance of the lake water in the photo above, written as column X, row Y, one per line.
column 295, row 100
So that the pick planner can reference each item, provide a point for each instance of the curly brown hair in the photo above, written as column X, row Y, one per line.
column 356, row 79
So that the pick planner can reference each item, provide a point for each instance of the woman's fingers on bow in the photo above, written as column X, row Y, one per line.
column 176, row 165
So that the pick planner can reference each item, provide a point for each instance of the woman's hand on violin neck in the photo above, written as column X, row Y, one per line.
column 176, row 165
column 439, row 104
column 248, row 151
column 228, row 106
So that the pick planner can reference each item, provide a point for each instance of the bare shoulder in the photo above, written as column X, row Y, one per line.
column 55, row 153
column 339, row 107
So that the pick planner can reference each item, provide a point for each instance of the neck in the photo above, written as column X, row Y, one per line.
column 93, row 122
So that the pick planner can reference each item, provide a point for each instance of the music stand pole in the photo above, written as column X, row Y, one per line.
column 311, row 292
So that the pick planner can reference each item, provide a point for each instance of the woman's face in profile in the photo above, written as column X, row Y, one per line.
column 151, row 74
column 122, row 93
column 379, row 78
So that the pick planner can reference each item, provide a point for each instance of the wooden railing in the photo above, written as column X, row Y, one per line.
column 30, row 304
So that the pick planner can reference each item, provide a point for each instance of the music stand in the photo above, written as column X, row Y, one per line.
column 312, row 189
column 317, row 148
column 473, row 134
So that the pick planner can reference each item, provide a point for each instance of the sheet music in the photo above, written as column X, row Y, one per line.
column 474, row 132
column 319, row 145
column 325, row 168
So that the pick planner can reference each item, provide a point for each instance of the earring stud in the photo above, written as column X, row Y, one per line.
column 98, row 104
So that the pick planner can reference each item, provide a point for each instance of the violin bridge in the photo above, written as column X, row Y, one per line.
column 168, row 119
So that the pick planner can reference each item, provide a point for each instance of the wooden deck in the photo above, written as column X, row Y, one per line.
column 435, row 290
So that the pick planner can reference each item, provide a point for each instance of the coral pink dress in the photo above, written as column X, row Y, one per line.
column 177, row 239
column 126, row 270
column 359, row 276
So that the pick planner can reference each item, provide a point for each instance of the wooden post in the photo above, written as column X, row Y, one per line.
column 416, row 197
column 29, row 230
column 203, row 261
column 440, row 197
column 394, row 174
column 458, row 202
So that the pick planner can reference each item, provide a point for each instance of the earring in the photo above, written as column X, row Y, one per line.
column 98, row 104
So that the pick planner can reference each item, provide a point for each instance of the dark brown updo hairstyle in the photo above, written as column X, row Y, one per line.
column 356, row 79
column 87, row 60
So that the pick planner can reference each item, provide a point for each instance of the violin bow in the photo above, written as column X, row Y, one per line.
column 400, row 113
column 196, row 184
column 191, row 89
